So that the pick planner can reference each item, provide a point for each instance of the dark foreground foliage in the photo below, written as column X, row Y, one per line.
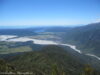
column 51, row 60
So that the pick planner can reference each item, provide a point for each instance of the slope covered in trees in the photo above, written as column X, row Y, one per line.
column 51, row 60
column 86, row 38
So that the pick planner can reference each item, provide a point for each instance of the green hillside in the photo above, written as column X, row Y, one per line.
column 86, row 38
column 51, row 60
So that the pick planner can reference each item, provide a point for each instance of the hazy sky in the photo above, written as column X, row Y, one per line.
column 49, row 12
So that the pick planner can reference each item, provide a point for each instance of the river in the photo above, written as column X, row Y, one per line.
column 12, row 38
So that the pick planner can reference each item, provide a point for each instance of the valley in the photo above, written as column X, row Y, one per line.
column 15, row 48
column 42, row 38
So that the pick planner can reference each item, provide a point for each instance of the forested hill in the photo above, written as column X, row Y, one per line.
column 51, row 60
column 87, row 38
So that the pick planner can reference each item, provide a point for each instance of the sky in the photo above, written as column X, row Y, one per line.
column 48, row 12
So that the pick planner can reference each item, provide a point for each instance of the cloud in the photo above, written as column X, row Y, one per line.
column 96, row 21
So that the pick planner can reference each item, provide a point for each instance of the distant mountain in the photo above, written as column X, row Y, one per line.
column 19, row 32
column 57, row 29
column 87, row 38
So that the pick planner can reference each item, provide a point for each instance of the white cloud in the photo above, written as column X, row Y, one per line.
column 96, row 21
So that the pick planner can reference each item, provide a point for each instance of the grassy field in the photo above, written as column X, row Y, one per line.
column 9, row 47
